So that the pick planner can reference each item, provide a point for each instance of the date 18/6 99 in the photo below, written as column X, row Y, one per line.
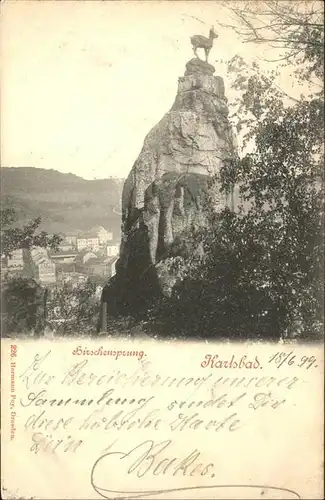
column 283, row 358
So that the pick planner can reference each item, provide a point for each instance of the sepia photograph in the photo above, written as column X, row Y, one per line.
column 162, row 170
column 162, row 250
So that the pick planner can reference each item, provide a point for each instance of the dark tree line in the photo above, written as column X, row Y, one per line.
column 261, row 273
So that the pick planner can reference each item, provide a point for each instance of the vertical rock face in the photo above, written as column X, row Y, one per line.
column 162, row 195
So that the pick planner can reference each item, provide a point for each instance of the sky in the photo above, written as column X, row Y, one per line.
column 83, row 82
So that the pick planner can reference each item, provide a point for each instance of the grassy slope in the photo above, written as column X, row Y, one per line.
column 65, row 201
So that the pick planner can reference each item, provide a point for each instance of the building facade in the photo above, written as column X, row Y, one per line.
column 43, row 268
column 15, row 260
column 112, row 249
column 88, row 242
column 102, row 233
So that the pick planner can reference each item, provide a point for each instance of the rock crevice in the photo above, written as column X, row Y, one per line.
column 162, row 195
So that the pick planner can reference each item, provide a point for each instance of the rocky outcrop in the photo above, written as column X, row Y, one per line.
column 163, row 193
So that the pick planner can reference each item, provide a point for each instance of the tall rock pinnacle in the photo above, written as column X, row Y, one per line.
column 163, row 192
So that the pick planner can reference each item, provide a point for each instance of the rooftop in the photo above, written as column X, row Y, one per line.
column 100, row 228
column 112, row 259
column 63, row 253
column 81, row 254
column 103, row 261
column 93, row 260
column 82, row 236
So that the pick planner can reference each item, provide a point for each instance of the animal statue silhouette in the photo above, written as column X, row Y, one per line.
column 202, row 42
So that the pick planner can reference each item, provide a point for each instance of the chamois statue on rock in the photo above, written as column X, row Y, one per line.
column 202, row 42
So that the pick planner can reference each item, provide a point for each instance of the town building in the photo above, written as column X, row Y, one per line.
column 16, row 260
column 46, row 272
column 70, row 238
column 82, row 258
column 101, row 267
column 88, row 241
column 43, row 268
column 102, row 233
column 16, row 266
column 64, row 257
column 65, row 246
column 3, row 264
column 112, row 249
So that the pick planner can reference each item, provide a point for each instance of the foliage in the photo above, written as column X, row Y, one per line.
column 23, row 306
column 29, row 308
column 261, row 272
column 295, row 30
column 23, row 300
column 73, row 309
column 13, row 238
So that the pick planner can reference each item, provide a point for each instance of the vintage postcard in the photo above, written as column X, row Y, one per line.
column 162, row 319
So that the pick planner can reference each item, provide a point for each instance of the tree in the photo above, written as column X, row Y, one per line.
column 284, row 172
column 73, row 309
column 23, row 306
column 13, row 238
column 293, row 29
column 23, row 300
column 261, row 273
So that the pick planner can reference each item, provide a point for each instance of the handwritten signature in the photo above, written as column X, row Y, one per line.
column 149, row 458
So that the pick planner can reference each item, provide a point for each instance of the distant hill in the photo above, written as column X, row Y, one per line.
column 66, row 202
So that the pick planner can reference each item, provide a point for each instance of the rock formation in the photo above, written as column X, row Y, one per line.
column 162, row 195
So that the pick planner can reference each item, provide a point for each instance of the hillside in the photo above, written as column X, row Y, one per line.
column 66, row 202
